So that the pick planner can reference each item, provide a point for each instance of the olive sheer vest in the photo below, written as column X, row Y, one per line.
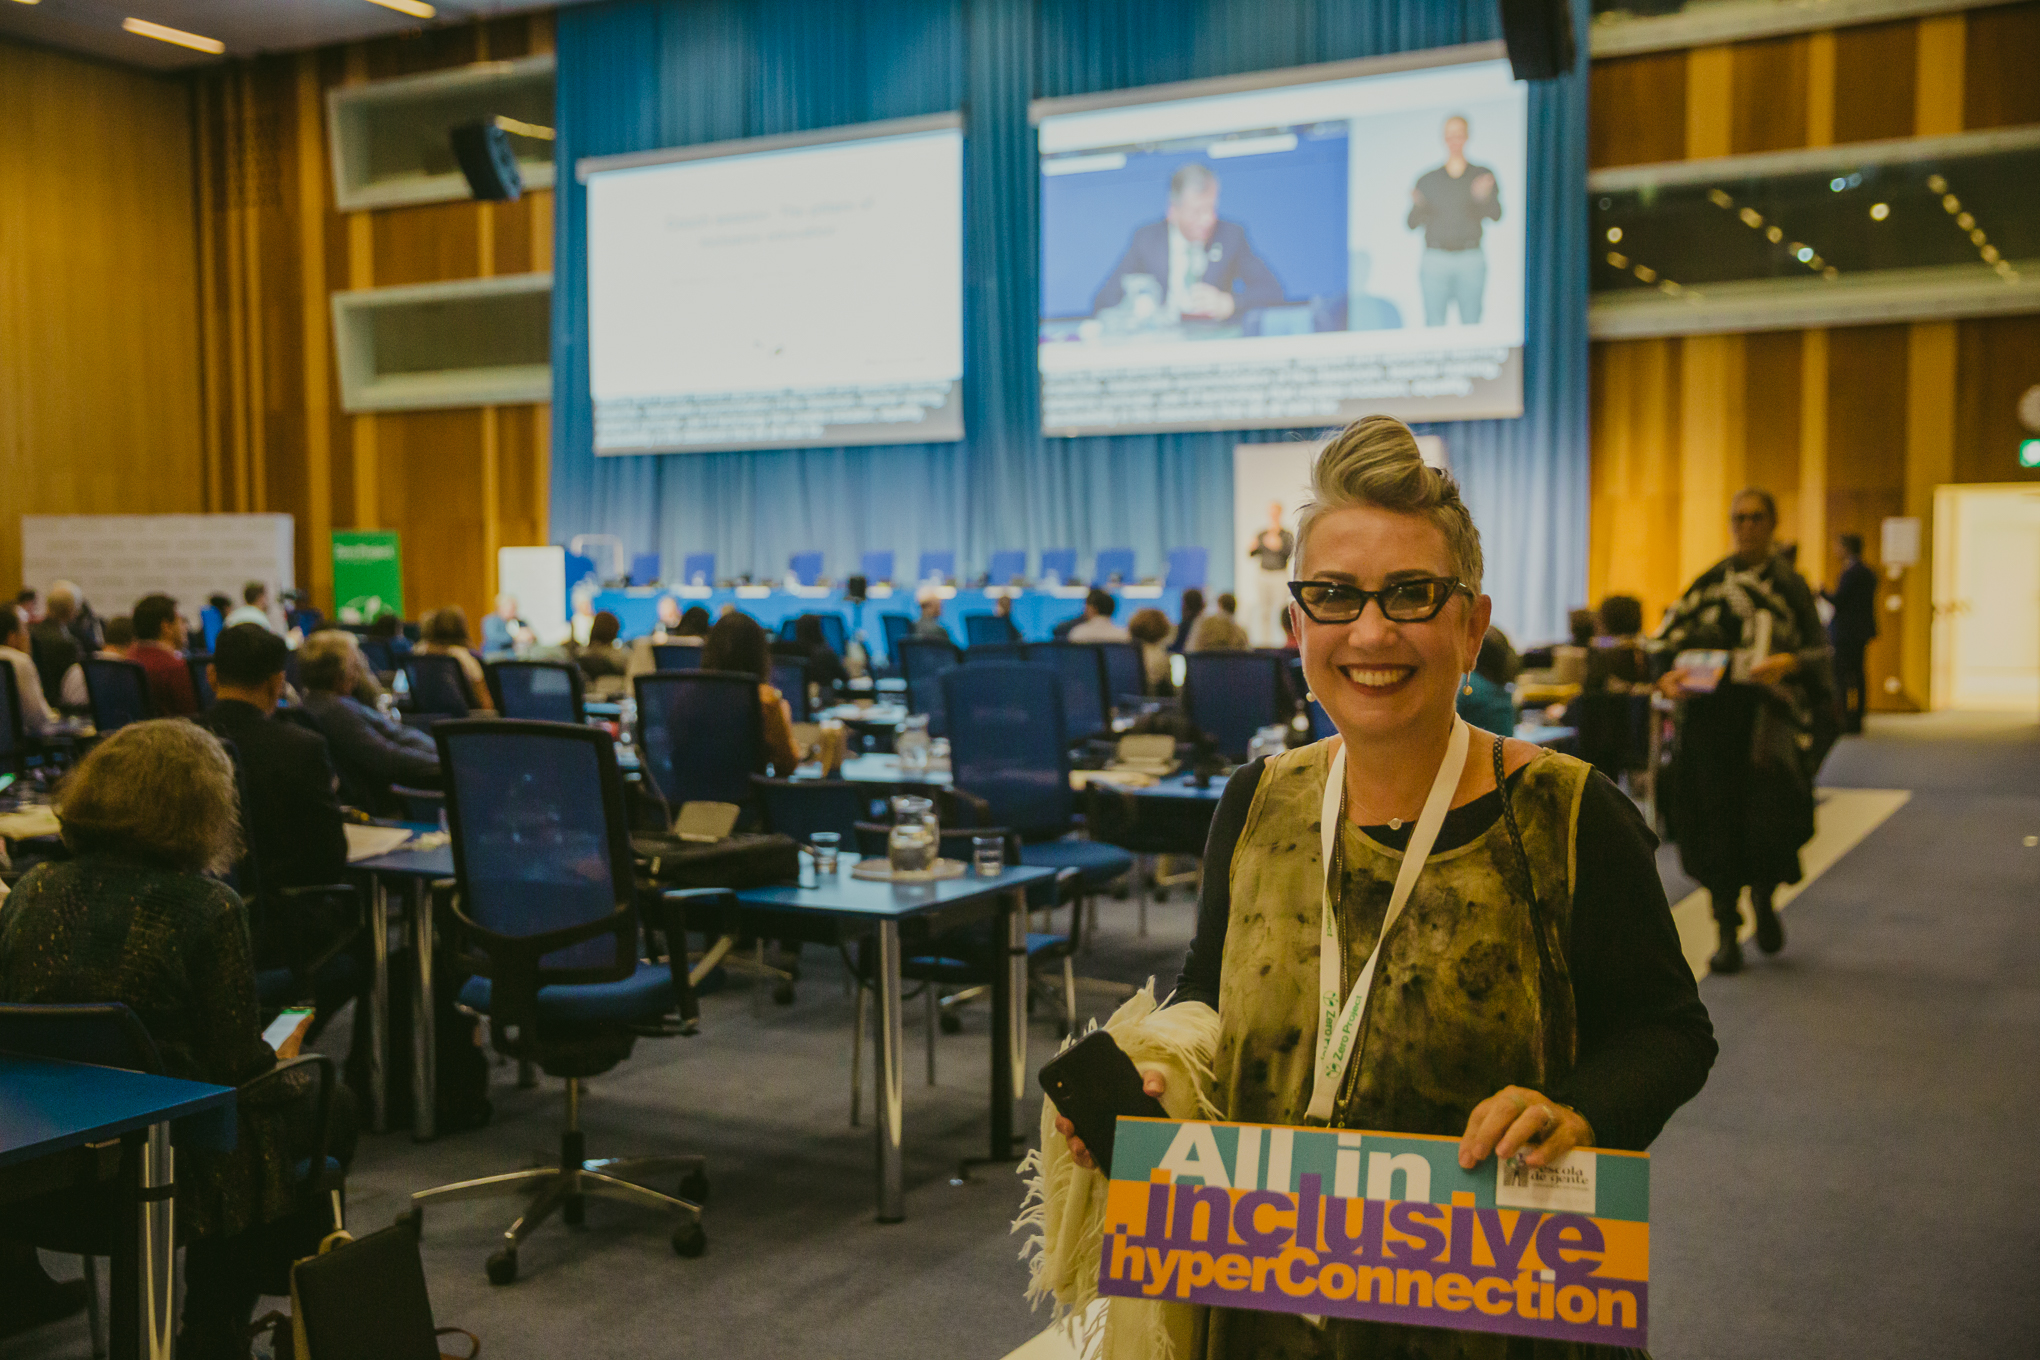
column 1466, row 998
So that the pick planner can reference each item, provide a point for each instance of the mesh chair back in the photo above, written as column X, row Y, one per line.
column 1232, row 695
column 105, row 1034
column 801, row 807
column 676, row 656
column 381, row 657
column 12, row 737
column 118, row 690
column 537, row 691
column 1125, row 672
column 939, row 565
column 1081, row 669
column 897, row 627
column 877, row 566
column 698, row 569
column 201, row 683
column 1187, row 568
column 988, row 630
column 789, row 677
column 834, row 635
column 1007, row 565
column 1008, row 745
column 700, row 735
column 438, row 684
column 1113, row 562
column 1060, row 563
column 923, row 660
column 805, row 567
column 539, row 837
column 980, row 652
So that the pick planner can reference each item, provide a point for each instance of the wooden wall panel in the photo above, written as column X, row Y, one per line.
column 1638, row 110
column 2002, row 56
column 1874, row 76
column 99, row 353
column 1999, row 360
column 1634, row 473
column 1770, row 109
column 1867, row 371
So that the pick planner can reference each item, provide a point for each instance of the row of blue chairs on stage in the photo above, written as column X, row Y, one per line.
column 1186, row 567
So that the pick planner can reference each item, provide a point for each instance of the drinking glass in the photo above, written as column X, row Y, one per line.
column 824, row 846
column 988, row 853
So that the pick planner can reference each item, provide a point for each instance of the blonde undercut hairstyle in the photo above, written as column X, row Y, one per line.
column 161, row 791
column 1375, row 461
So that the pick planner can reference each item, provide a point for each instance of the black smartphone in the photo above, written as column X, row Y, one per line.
column 1093, row 1082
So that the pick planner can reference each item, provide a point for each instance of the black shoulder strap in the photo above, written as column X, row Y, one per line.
column 1529, row 874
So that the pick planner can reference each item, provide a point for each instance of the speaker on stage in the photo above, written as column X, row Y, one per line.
column 1540, row 38
column 485, row 157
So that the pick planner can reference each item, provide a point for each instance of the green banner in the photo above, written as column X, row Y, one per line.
column 368, row 574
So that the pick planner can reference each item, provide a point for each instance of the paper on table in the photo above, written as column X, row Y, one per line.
column 28, row 822
column 366, row 842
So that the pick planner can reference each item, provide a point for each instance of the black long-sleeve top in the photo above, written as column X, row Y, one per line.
column 1645, row 1041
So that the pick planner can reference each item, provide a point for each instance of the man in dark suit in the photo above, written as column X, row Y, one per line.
column 1204, row 265
column 292, row 820
column 1854, row 624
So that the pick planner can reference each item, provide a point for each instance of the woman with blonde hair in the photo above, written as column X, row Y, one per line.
column 137, row 917
column 446, row 634
column 1483, row 919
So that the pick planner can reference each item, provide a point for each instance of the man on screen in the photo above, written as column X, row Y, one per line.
column 1449, row 204
column 1204, row 264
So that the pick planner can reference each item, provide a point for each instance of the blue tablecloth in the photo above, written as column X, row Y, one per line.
column 1035, row 613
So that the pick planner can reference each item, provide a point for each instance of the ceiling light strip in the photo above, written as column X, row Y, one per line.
column 417, row 9
column 164, row 33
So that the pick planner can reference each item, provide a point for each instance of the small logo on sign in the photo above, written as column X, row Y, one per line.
column 1567, row 1186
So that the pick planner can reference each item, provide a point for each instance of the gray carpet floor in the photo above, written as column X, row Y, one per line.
column 1848, row 1184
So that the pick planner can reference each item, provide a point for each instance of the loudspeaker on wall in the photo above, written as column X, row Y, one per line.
column 1539, row 34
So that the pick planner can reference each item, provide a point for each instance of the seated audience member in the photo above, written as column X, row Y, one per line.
column 1096, row 625
column 1151, row 629
column 159, row 647
column 1219, row 630
column 737, row 643
column 929, row 625
column 1186, row 618
column 685, row 630
column 1002, row 610
column 1618, row 661
column 119, row 637
column 134, row 917
column 54, row 644
column 292, row 819
column 1484, row 700
column 1569, row 660
column 446, row 634
column 370, row 750
column 388, row 629
column 36, row 718
column 25, row 602
column 604, row 664
column 824, row 667
column 668, row 618
column 583, row 617
column 504, row 633
column 254, row 608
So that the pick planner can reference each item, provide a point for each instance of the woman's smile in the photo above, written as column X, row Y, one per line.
column 1377, row 680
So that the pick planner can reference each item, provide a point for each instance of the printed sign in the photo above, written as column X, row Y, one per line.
column 368, row 574
column 1380, row 1226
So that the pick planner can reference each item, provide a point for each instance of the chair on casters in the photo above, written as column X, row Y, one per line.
column 549, row 918
column 1081, row 668
column 438, row 685
column 118, row 690
column 923, row 661
column 543, row 691
column 1229, row 696
column 676, row 656
column 898, row 628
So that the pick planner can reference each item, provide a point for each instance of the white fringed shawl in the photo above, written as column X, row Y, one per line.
column 1064, row 1211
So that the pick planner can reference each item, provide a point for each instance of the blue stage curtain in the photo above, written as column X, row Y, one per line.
column 652, row 73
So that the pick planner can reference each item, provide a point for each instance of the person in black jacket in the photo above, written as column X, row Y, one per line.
column 370, row 751
column 293, row 813
column 1854, row 624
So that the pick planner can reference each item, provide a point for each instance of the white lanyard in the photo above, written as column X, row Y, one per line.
column 1337, row 1028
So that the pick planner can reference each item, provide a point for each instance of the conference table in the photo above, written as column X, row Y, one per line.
column 55, row 1118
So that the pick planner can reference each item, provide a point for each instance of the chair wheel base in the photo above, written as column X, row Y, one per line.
column 782, row 993
column 502, row 1267
column 950, row 1023
column 694, row 1187
column 574, row 1211
column 412, row 1218
column 688, row 1240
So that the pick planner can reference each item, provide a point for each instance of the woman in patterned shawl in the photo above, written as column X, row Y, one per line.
column 1742, row 774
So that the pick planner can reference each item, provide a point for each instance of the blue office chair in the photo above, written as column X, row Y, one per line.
column 697, row 569
column 1113, row 563
column 547, row 906
column 1125, row 672
column 380, row 655
column 897, row 628
column 13, row 736
column 790, row 678
column 877, row 567
column 1060, row 563
column 439, row 687
column 1006, row 566
column 801, row 807
column 211, row 621
column 537, row 691
column 939, row 565
column 1008, row 746
column 977, row 654
column 701, row 736
column 1080, row 667
column 676, row 656
column 982, row 630
column 805, row 567
column 201, row 683
column 118, row 690
column 834, row 635
column 1229, row 696
column 1187, row 569
column 644, row 568
column 922, row 661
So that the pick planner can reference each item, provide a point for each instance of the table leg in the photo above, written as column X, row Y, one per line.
column 1009, row 1026
column 155, row 1246
column 379, row 1004
column 424, row 1039
column 891, row 1095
